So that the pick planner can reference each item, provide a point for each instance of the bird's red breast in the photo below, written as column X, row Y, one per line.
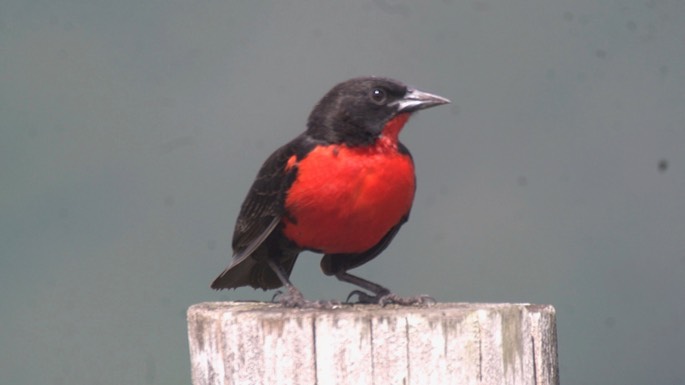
column 345, row 199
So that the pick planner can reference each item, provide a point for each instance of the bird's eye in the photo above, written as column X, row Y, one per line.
column 378, row 95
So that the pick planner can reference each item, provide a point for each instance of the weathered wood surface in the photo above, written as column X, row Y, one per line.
column 447, row 343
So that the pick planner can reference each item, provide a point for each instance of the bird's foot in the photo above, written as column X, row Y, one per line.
column 386, row 298
column 294, row 298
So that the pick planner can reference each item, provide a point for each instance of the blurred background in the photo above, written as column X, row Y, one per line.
column 130, row 132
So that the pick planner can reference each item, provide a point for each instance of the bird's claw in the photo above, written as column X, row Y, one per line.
column 417, row 300
column 388, row 298
column 294, row 298
column 362, row 297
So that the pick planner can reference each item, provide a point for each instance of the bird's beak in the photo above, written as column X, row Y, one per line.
column 415, row 100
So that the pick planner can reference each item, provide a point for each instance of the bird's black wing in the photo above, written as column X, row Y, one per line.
column 263, row 205
column 260, row 214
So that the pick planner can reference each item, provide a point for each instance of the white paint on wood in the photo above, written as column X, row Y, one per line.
column 263, row 343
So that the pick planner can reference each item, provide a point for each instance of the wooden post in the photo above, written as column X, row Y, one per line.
column 446, row 343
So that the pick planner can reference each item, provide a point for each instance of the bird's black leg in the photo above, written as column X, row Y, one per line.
column 381, row 295
column 293, row 296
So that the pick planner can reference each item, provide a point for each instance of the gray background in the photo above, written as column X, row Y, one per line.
column 131, row 131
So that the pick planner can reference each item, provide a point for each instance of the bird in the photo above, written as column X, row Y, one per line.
column 343, row 188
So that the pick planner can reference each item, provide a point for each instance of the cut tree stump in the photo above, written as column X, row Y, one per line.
column 445, row 343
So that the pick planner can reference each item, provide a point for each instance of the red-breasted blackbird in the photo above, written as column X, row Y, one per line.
column 343, row 188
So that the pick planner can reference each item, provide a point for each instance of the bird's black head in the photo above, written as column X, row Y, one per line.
column 355, row 111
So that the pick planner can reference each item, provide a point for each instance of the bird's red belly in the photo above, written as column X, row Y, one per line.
column 345, row 199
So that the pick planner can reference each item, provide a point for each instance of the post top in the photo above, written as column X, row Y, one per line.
column 441, row 308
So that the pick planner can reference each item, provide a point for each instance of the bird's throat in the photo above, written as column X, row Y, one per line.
column 391, row 130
